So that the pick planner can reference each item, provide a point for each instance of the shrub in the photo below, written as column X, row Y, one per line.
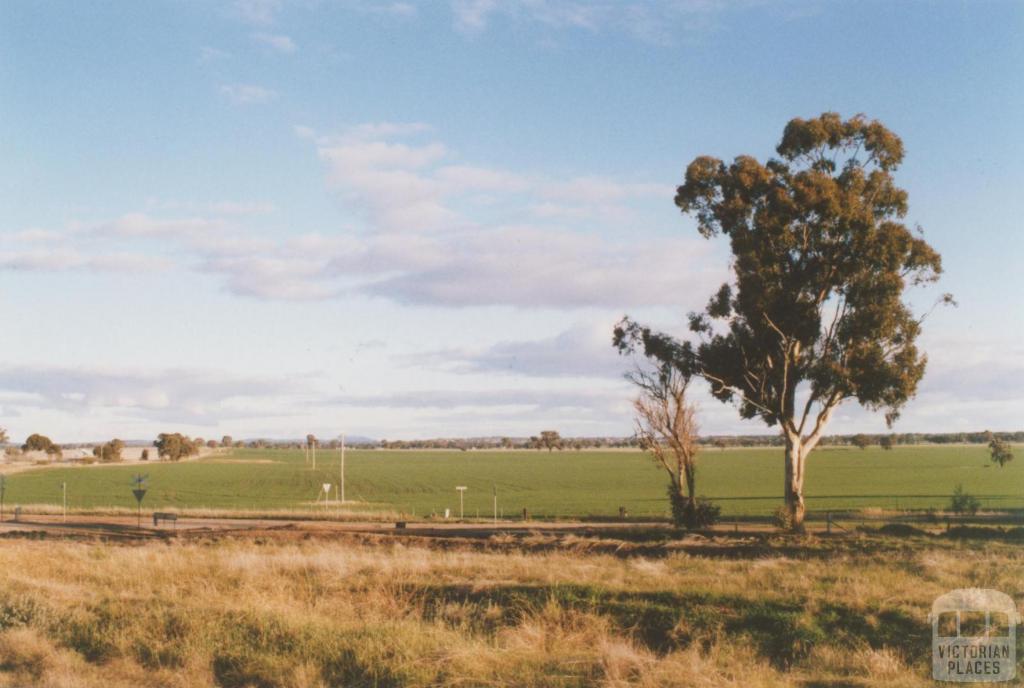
column 693, row 514
column 782, row 518
column 964, row 503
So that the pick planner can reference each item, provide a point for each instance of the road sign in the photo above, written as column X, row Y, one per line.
column 139, row 491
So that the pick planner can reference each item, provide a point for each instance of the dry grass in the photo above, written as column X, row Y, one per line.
column 242, row 613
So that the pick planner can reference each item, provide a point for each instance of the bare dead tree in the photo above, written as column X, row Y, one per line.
column 666, row 428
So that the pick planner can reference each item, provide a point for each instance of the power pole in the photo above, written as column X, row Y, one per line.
column 341, row 486
column 64, row 488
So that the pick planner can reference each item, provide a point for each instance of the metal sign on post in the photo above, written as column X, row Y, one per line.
column 139, row 491
column 462, row 491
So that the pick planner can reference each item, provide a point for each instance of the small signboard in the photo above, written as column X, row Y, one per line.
column 327, row 488
column 139, row 494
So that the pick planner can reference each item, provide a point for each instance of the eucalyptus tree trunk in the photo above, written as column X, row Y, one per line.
column 796, row 456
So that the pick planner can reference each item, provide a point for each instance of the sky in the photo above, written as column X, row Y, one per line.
column 266, row 218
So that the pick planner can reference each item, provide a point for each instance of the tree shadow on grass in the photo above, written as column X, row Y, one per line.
column 781, row 631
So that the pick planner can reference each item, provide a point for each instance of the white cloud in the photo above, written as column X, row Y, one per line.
column 657, row 22
column 247, row 94
column 259, row 12
column 175, row 395
column 278, row 42
column 239, row 208
column 208, row 54
column 142, row 225
column 62, row 259
column 472, row 16
column 584, row 350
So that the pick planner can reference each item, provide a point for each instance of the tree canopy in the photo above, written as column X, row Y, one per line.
column 175, row 446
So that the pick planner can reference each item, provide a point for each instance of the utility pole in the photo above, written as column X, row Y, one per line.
column 64, row 488
column 341, row 485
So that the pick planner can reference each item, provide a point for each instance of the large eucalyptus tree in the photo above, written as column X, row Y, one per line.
column 814, row 313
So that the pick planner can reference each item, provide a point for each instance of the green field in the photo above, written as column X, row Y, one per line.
column 588, row 483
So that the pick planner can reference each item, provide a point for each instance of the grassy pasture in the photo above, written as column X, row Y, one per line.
column 294, row 613
column 743, row 481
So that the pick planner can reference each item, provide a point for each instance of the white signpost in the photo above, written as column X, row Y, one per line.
column 462, row 491
column 341, row 485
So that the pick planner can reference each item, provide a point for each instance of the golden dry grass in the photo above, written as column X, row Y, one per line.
column 256, row 613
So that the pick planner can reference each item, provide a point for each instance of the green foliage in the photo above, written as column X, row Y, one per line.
column 110, row 452
column 886, row 442
column 964, row 503
column 692, row 514
column 175, row 446
column 782, row 518
column 1000, row 452
column 37, row 442
column 861, row 441
column 550, row 439
column 820, row 263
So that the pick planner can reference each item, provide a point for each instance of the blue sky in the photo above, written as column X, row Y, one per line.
column 401, row 219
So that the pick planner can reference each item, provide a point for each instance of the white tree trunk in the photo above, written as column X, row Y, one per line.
column 796, row 455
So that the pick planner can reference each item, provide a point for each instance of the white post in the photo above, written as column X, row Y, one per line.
column 462, row 492
column 342, row 468
column 64, row 487
column 495, row 503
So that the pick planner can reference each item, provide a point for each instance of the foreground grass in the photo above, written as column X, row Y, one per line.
column 575, row 484
column 277, row 613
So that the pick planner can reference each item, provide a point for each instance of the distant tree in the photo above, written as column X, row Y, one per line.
column 174, row 446
column 720, row 444
column 506, row 442
column 4, row 439
column 226, row 441
column 1000, row 452
column 861, row 441
column 886, row 442
column 820, row 262
column 109, row 452
column 310, row 440
column 550, row 440
column 37, row 442
column 212, row 444
column 145, row 455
